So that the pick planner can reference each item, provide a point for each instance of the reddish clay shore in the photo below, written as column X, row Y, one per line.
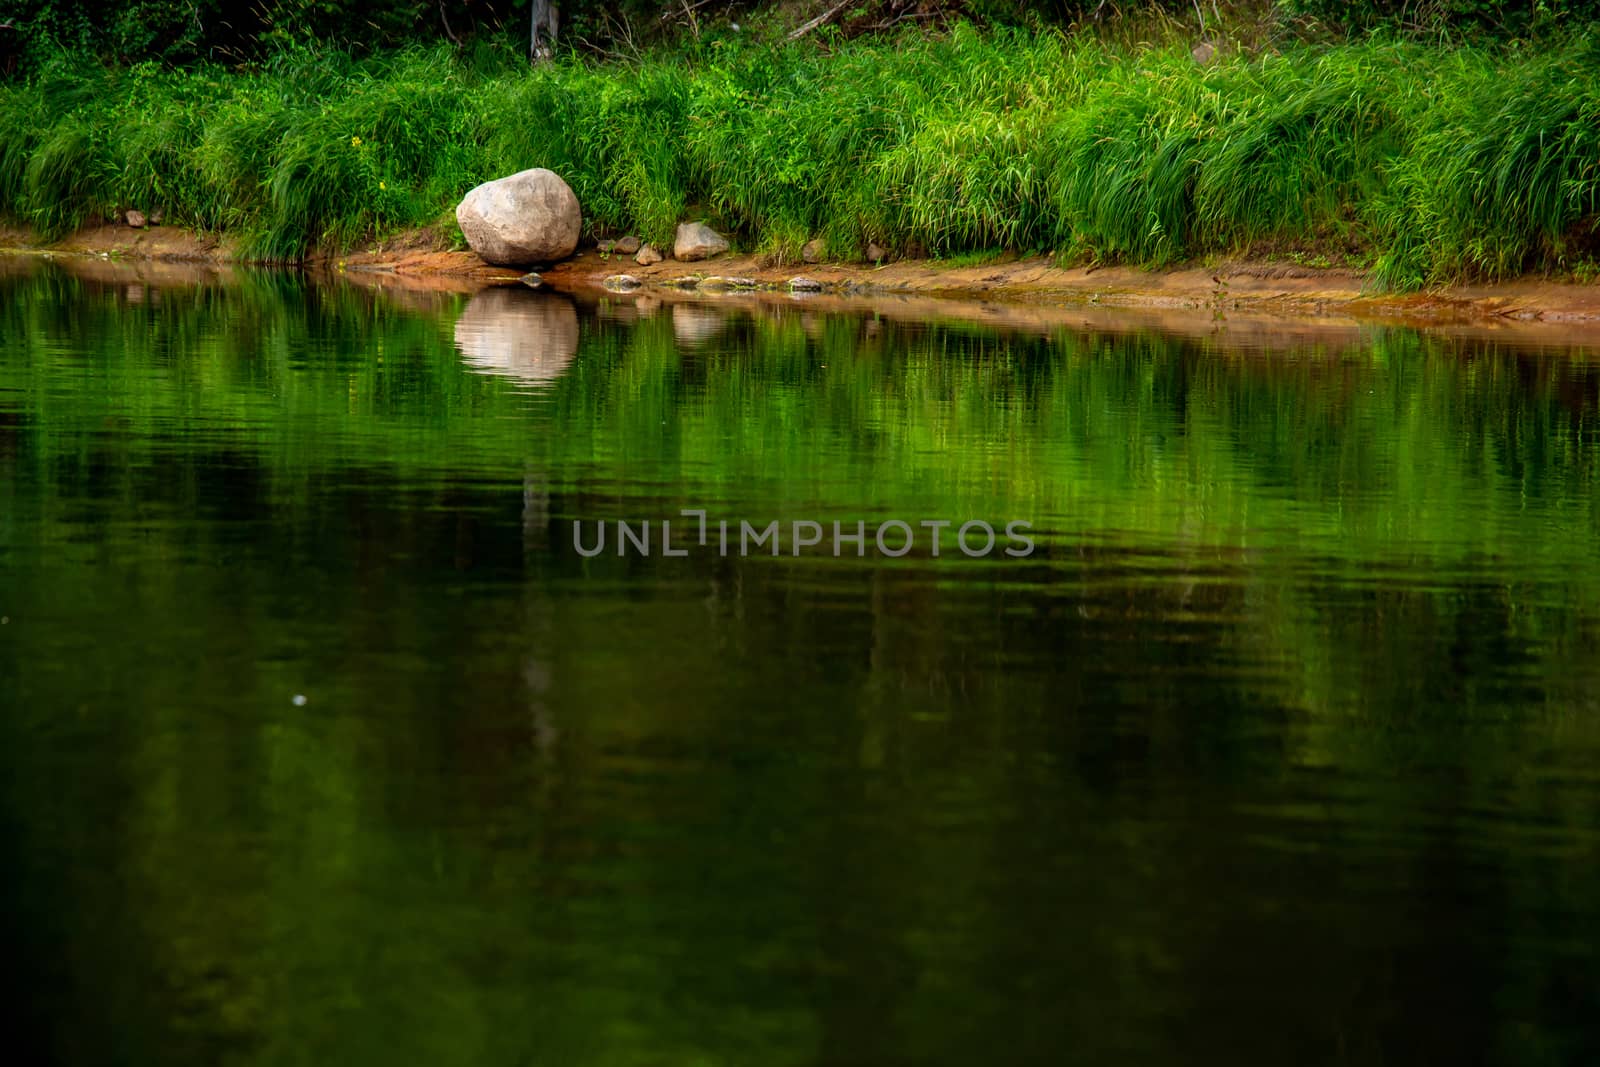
column 423, row 260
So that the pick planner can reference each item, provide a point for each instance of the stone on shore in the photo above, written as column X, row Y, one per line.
column 801, row 284
column 876, row 253
column 627, row 246
column 136, row 219
column 622, row 283
column 813, row 251
column 529, row 217
column 648, row 256
column 718, row 284
column 696, row 240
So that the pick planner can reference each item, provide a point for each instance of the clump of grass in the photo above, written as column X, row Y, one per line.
column 1501, row 171
column 1439, row 163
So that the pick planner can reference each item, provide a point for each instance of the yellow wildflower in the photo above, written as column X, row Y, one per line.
column 355, row 142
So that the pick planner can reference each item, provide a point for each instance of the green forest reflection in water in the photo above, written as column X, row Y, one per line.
column 1281, row 748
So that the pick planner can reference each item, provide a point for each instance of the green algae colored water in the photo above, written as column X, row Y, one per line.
column 324, row 743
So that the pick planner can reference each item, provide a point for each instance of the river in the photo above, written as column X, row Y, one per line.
column 1274, row 739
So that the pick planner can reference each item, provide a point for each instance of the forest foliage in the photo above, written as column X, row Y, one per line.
column 186, row 31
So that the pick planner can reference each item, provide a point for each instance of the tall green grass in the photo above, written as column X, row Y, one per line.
column 1433, row 163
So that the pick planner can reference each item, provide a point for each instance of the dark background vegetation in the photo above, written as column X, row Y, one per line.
column 184, row 31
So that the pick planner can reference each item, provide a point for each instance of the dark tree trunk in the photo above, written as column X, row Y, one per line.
column 545, row 18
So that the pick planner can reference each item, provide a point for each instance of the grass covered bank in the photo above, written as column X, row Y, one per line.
column 1427, row 164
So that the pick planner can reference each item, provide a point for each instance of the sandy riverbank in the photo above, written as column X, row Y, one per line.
column 423, row 260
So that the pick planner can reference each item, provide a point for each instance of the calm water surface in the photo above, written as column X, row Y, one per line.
column 322, row 744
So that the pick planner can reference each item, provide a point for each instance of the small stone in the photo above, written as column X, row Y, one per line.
column 876, row 253
column 156, row 216
column 1204, row 52
column 648, row 256
column 299, row 700
column 532, row 280
column 688, row 281
column 622, row 283
column 813, row 251
column 696, row 240
column 716, row 283
column 136, row 219
column 802, row 284
column 627, row 246
column 605, row 248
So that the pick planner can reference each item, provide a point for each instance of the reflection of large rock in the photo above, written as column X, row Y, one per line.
column 694, row 325
column 530, row 217
column 518, row 333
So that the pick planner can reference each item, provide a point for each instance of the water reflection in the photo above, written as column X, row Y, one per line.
column 530, row 337
column 696, row 324
column 1282, row 748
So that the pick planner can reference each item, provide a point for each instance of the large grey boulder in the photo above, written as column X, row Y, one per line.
column 696, row 240
column 530, row 217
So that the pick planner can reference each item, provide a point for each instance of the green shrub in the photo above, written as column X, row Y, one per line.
column 1439, row 163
